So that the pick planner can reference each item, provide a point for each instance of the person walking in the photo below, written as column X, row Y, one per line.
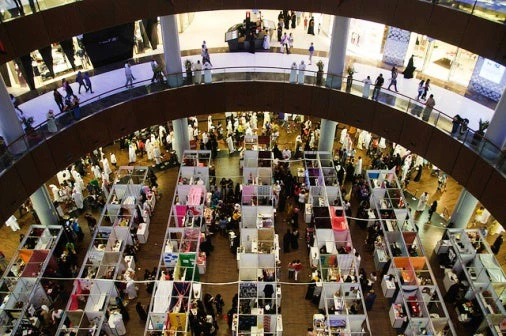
column 67, row 87
column 87, row 81
column 432, row 209
column 297, row 267
column 377, row 86
column 426, row 89
column 291, row 269
column 367, row 87
column 429, row 105
column 80, row 81
column 129, row 76
column 393, row 79
column 420, row 89
column 311, row 52
column 58, row 98
column 143, row 315
column 285, row 44
column 290, row 41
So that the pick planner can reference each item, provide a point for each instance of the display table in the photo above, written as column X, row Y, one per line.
column 142, row 233
column 449, row 279
column 388, row 287
column 380, row 258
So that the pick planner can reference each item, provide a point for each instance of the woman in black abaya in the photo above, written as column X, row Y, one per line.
column 310, row 28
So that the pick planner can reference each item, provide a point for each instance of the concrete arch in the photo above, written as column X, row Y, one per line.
column 480, row 36
column 99, row 129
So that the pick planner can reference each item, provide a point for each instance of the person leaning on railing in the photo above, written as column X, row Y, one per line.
column 5, row 155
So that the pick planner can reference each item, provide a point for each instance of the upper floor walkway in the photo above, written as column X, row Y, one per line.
column 476, row 25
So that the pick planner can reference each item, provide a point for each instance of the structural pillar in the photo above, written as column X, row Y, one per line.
column 496, row 131
column 44, row 207
column 337, row 53
column 327, row 135
column 10, row 126
column 181, row 140
column 171, row 50
column 464, row 209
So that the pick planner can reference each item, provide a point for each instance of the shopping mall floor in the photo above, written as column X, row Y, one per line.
column 222, row 265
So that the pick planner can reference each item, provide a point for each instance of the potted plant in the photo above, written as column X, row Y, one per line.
column 480, row 133
column 350, row 70
column 189, row 74
column 319, row 74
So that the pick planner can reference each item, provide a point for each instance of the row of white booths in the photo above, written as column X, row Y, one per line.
column 23, row 289
column 468, row 260
column 331, row 255
column 107, row 260
column 174, row 297
column 259, row 293
column 417, row 307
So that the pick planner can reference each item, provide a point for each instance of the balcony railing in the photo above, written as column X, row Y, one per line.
column 417, row 109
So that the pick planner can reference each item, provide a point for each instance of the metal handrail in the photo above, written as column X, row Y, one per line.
column 478, row 143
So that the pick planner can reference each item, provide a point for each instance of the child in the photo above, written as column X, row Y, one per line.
column 218, row 301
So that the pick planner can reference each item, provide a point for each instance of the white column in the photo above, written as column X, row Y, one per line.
column 496, row 131
column 181, row 140
column 10, row 127
column 44, row 207
column 464, row 209
column 327, row 135
column 171, row 50
column 337, row 53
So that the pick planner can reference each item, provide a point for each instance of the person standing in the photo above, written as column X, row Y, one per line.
column 410, row 69
column 432, row 209
column 496, row 246
column 367, row 87
column 87, row 81
column 80, row 81
column 311, row 52
column 51, row 122
column 302, row 70
column 429, row 105
column 294, row 20
column 156, row 70
column 369, row 300
column 129, row 76
column 67, row 87
column 422, row 202
column 266, row 43
column 293, row 73
column 16, row 103
column 287, row 240
column 58, row 98
column 290, row 41
column 285, row 44
column 393, row 79
column 377, row 87
column 310, row 28
column 297, row 267
column 197, row 67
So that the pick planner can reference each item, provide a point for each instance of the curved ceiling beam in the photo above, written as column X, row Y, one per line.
column 102, row 128
column 480, row 36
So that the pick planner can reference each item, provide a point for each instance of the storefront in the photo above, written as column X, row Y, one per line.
column 365, row 39
column 441, row 60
